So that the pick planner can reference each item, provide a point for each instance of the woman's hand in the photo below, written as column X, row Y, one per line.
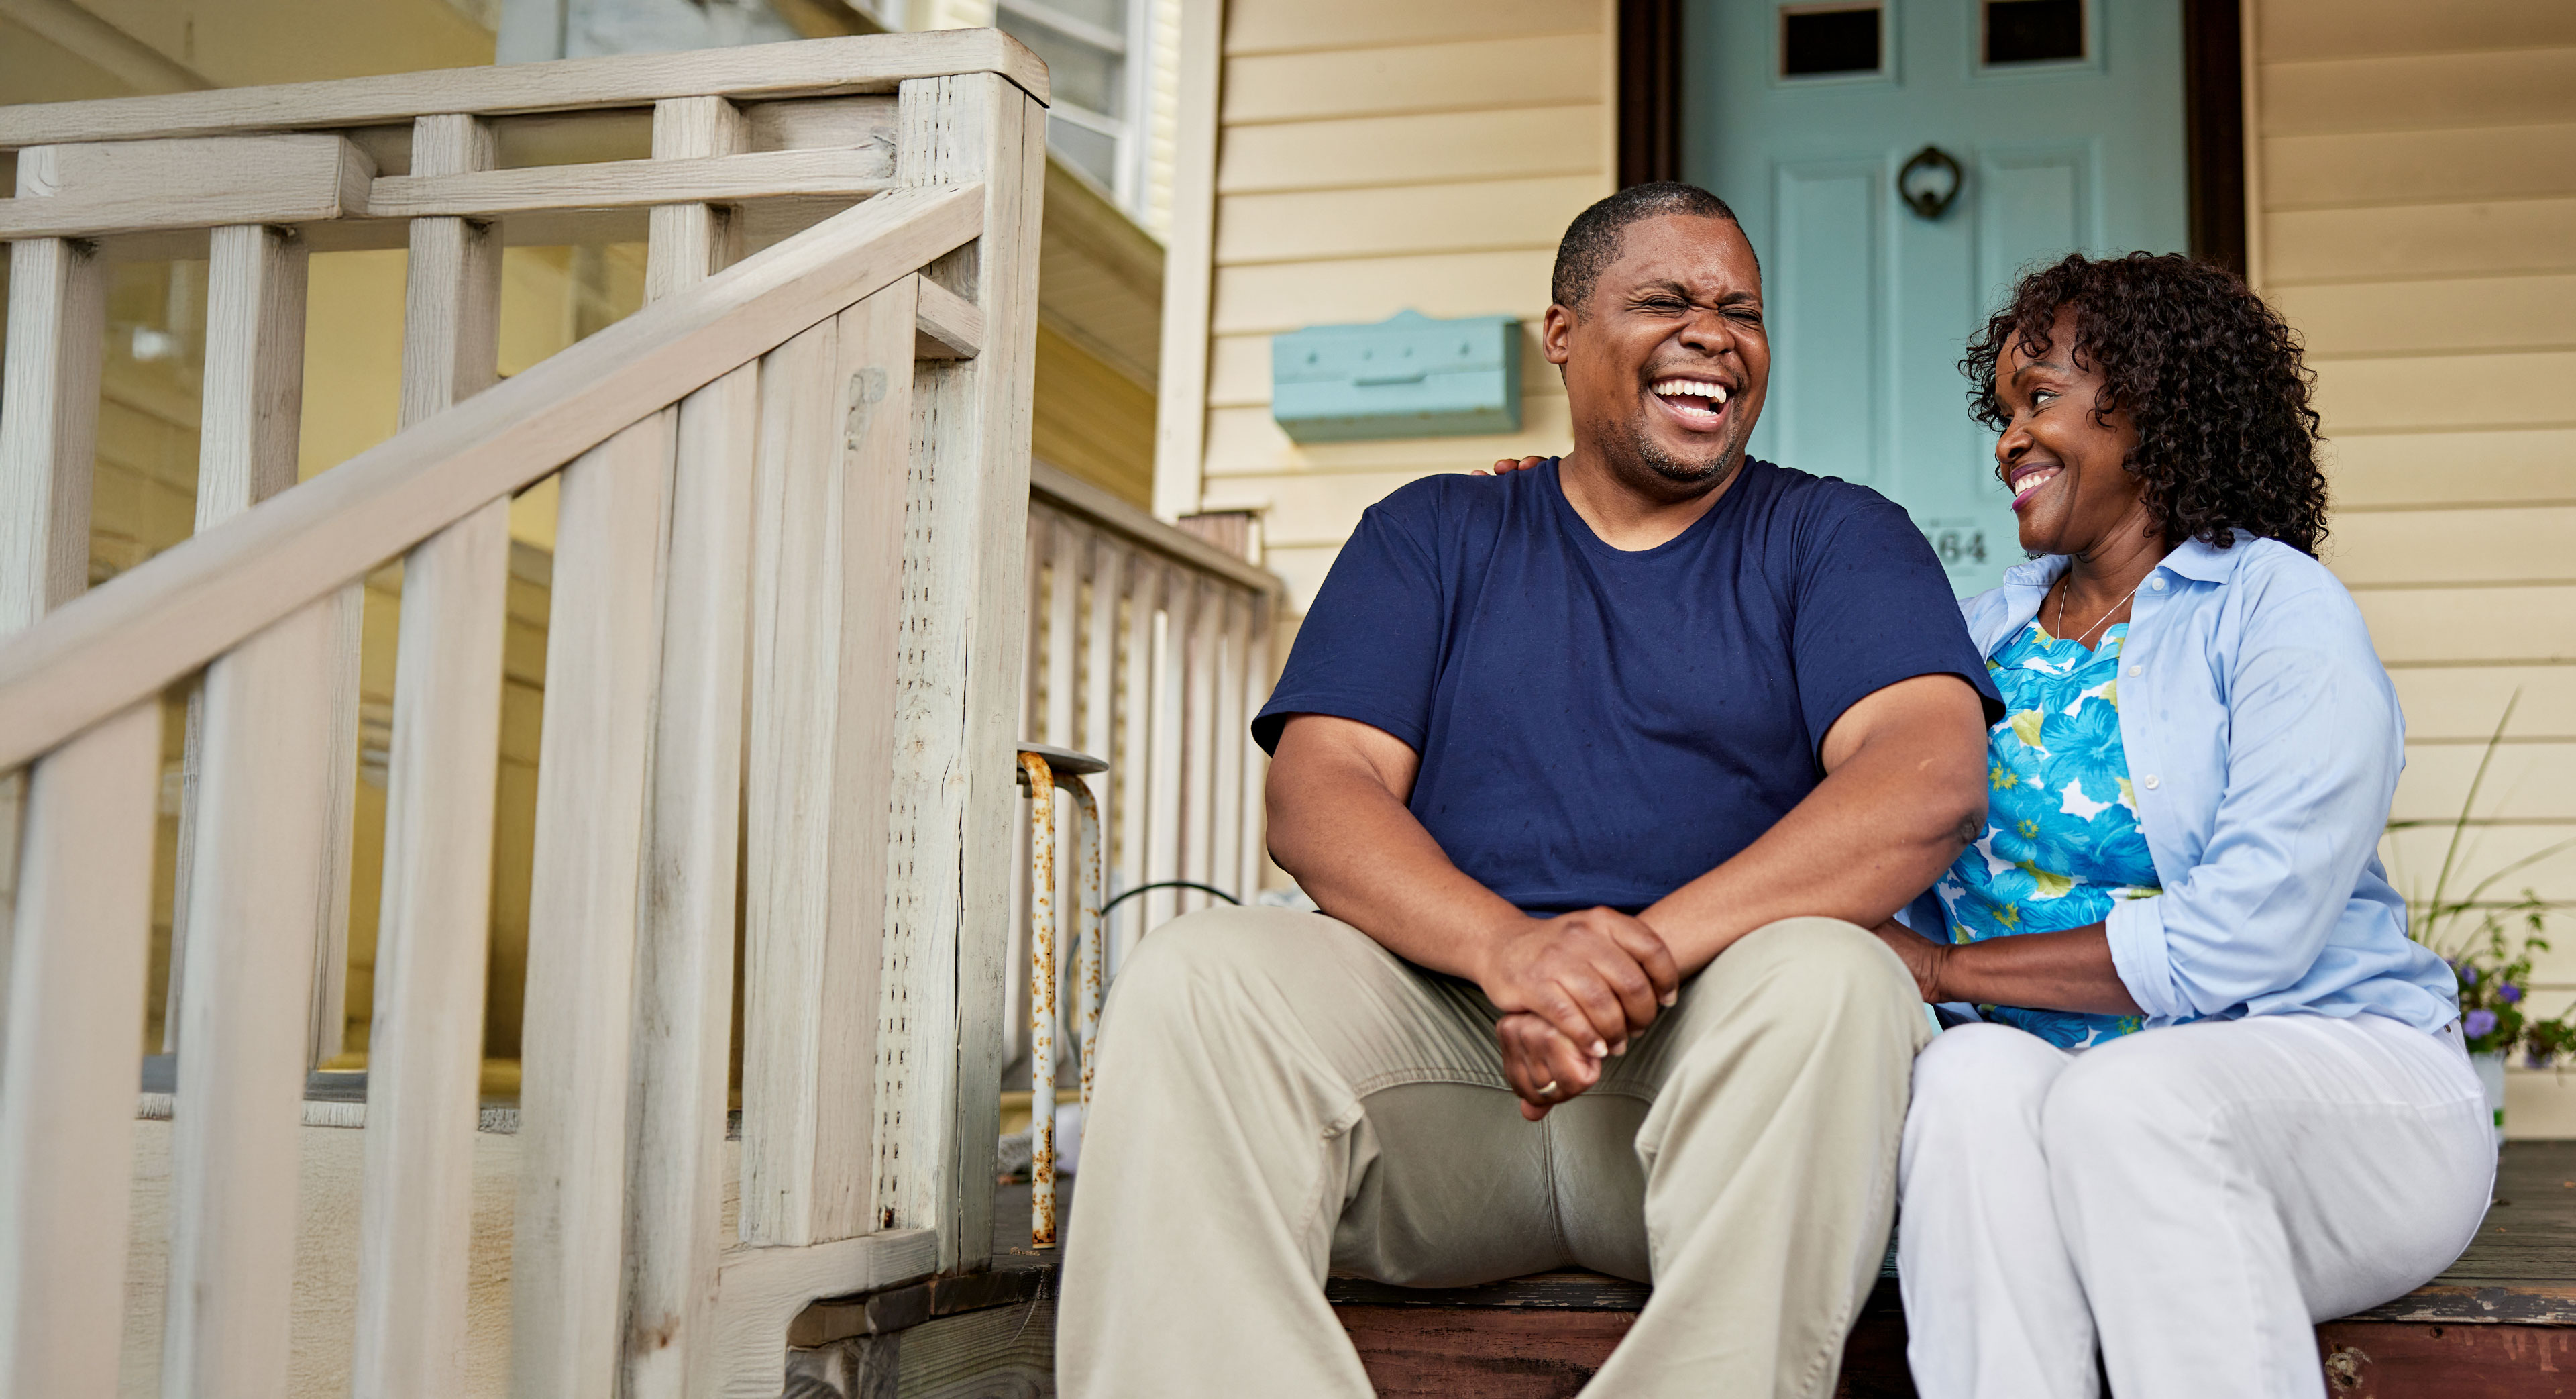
column 1507, row 465
column 1921, row 956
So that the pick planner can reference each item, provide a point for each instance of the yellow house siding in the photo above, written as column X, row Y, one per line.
column 1374, row 158
column 2416, row 221
column 1092, row 420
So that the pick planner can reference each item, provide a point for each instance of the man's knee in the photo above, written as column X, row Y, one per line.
column 1213, row 947
column 1797, row 989
column 1213, row 964
column 1817, row 971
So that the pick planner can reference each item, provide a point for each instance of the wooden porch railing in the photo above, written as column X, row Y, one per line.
column 787, row 609
column 1151, row 649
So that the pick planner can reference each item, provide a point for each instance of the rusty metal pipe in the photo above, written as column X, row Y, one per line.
column 1088, row 949
column 1041, row 782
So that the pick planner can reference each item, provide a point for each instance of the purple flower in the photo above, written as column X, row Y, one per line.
column 2468, row 974
column 2507, row 992
column 2479, row 1024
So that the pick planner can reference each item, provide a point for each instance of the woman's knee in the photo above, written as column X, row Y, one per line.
column 2126, row 1098
column 1980, row 1083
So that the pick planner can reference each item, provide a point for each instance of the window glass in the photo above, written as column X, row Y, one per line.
column 2034, row 31
column 1094, row 153
column 1818, row 41
column 1077, row 73
column 1108, row 14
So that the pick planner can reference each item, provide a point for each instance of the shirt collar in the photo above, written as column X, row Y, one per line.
column 2195, row 560
column 2206, row 563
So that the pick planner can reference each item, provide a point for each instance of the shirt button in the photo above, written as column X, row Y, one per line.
column 2150, row 783
column 2137, row 670
column 2155, row 585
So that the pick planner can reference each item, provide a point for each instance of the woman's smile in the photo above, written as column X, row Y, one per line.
column 2029, row 477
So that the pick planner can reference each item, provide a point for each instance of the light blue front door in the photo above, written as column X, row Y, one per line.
column 2064, row 119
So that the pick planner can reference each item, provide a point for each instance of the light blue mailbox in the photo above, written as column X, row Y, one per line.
column 1406, row 376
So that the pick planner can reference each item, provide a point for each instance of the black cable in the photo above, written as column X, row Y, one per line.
column 1168, row 884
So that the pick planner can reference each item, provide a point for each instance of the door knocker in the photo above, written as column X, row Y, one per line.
column 1921, row 184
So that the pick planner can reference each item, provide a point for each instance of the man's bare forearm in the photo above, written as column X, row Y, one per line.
column 1897, row 808
column 1337, row 825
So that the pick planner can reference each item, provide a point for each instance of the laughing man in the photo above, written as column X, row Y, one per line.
column 1599, row 773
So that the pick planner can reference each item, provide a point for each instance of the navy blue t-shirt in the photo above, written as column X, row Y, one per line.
column 1600, row 726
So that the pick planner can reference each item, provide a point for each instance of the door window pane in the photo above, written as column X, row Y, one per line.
column 2034, row 31
column 1824, row 40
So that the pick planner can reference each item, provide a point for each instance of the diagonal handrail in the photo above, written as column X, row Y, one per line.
column 148, row 628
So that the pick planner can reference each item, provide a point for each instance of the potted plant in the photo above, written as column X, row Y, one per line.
column 2543, row 1041
column 2472, row 931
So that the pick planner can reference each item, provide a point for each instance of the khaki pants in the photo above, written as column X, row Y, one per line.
column 1279, row 1097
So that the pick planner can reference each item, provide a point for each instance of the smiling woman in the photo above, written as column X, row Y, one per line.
column 2181, row 966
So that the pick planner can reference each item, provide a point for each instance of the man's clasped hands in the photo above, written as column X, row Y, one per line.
column 1573, row 989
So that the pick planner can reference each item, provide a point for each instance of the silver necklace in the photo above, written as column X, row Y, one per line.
column 2088, row 631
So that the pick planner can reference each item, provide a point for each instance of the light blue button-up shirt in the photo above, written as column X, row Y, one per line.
column 2264, row 743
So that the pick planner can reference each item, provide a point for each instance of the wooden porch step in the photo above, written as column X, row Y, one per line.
column 2500, row 1322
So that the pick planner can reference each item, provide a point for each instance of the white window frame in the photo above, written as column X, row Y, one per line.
column 1133, row 50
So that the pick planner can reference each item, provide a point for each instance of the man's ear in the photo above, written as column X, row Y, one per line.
column 1555, row 332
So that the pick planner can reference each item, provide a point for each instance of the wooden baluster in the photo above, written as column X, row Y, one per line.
column 1198, row 720
column 48, row 430
column 48, row 425
column 1256, row 764
column 75, row 1031
column 1031, row 726
column 425, row 1052
column 1065, row 542
column 684, row 946
column 1225, row 811
column 835, row 436
column 1169, row 768
column 247, row 443
column 265, row 871
column 1063, row 693
column 1108, row 570
column 941, row 1067
column 1135, row 770
column 567, row 1242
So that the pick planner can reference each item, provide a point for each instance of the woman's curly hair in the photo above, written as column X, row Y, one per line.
column 2208, row 372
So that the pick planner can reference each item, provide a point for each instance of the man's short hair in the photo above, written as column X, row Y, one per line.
column 1592, row 241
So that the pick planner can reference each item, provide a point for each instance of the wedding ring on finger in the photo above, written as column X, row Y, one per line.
column 1547, row 1089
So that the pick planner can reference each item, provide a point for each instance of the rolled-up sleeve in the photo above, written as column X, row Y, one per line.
column 2314, row 743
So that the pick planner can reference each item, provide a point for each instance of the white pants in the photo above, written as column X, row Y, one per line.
column 2193, row 1199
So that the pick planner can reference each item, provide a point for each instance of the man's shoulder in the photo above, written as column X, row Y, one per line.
column 1812, row 498
column 1806, row 519
column 1446, row 493
column 1442, row 510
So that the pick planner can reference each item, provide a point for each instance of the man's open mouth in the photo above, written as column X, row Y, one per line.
column 1698, row 404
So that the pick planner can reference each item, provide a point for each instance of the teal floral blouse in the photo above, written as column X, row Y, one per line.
column 2062, row 843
